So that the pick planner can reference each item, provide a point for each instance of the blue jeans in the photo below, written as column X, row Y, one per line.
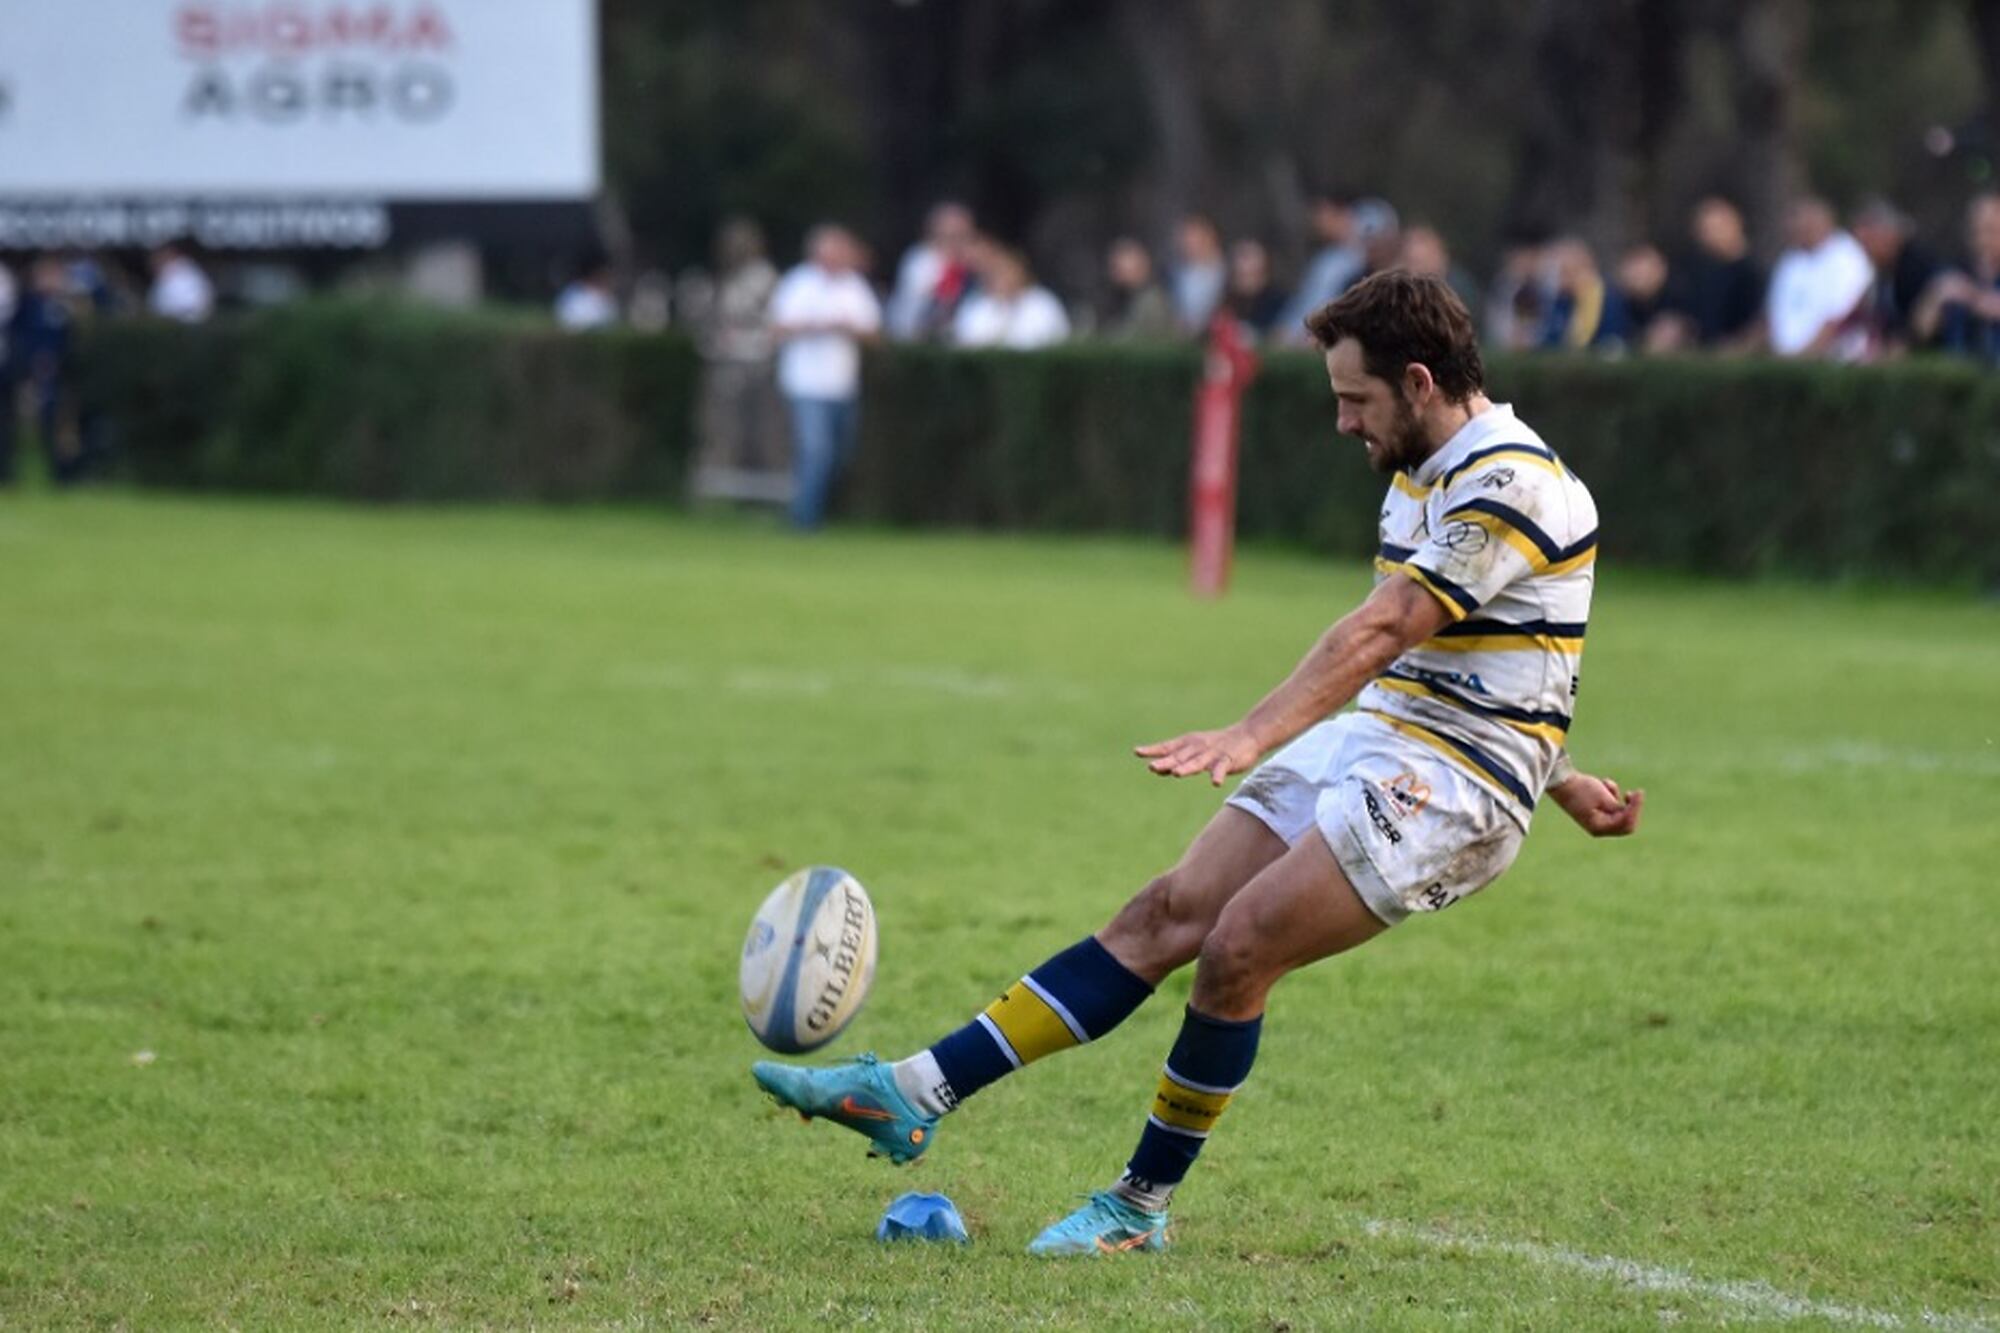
column 822, row 438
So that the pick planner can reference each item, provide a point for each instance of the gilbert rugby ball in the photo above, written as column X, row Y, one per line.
column 809, row 960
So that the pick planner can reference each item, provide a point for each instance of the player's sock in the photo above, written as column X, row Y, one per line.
column 1210, row 1060
column 1077, row 996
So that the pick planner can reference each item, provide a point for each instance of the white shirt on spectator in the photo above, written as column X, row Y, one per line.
column 582, row 306
column 916, row 278
column 1812, row 288
column 1033, row 319
column 823, row 365
column 182, row 291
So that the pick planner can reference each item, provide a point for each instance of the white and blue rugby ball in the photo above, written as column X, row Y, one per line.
column 809, row 960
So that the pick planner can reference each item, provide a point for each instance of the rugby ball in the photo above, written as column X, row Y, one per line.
column 809, row 960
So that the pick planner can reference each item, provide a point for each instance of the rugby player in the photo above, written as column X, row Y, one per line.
column 1462, row 666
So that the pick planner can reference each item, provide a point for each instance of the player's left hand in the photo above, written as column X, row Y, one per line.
column 1599, row 807
column 1216, row 753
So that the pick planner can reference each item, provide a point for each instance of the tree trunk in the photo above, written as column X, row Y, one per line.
column 1769, row 43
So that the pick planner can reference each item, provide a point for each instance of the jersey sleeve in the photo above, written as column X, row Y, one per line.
column 1499, row 523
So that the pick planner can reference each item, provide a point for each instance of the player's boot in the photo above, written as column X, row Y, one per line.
column 1105, row 1225
column 860, row 1094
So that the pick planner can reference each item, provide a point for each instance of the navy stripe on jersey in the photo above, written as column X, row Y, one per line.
column 1546, row 717
column 1396, row 554
column 1466, row 601
column 1479, row 456
column 1498, row 771
column 1527, row 629
column 1516, row 520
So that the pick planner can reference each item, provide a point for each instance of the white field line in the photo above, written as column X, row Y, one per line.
column 1753, row 1298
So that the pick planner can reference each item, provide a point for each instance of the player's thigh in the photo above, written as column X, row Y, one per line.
column 1163, row 925
column 1298, row 910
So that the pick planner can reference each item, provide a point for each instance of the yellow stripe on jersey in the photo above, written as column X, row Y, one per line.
column 1524, row 454
column 1506, row 532
column 1401, row 481
column 1190, row 1110
column 1503, row 643
column 1465, row 762
column 1455, row 602
column 1030, row 1026
column 1418, row 689
column 1587, row 556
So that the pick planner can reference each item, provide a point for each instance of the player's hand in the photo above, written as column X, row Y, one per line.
column 1216, row 753
column 1599, row 807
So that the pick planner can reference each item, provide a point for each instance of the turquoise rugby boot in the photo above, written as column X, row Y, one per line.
column 1105, row 1225
column 860, row 1094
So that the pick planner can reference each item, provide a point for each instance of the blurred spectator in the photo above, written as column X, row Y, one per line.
column 1715, row 292
column 1964, row 308
column 1008, row 309
column 1517, row 304
column 39, row 336
column 821, row 312
column 1138, row 305
column 1903, row 271
column 1253, row 299
column 180, row 289
column 1425, row 252
column 1332, row 270
column 1379, row 232
column 1586, row 312
column 1199, row 275
column 742, row 452
column 935, row 275
column 1817, row 283
column 587, row 301
column 1642, row 288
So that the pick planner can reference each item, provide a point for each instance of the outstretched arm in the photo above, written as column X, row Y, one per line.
column 1397, row 616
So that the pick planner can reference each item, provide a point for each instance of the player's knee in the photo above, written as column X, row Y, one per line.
column 1232, row 971
column 1162, row 925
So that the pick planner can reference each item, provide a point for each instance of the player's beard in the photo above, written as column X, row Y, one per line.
column 1403, row 448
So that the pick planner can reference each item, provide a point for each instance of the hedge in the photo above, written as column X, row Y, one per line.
column 367, row 400
column 1725, row 466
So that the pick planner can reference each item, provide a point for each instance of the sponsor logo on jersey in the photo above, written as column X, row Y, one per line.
column 1380, row 818
column 1408, row 794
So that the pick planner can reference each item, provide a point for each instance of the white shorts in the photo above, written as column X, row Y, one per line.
column 1412, row 832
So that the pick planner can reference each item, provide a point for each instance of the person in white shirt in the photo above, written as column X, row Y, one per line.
column 1009, row 309
column 934, row 276
column 821, row 313
column 181, row 291
column 1818, row 281
column 1199, row 273
column 587, row 302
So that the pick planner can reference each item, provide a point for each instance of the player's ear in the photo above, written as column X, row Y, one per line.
column 1417, row 383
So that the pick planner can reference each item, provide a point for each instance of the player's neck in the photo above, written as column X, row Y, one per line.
column 1445, row 420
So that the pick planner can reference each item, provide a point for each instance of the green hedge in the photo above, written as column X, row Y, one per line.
column 1726, row 466
column 368, row 400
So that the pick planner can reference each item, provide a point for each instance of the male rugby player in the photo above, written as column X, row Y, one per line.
column 1462, row 665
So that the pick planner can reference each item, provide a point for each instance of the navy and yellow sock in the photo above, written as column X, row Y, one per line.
column 1076, row 996
column 1210, row 1061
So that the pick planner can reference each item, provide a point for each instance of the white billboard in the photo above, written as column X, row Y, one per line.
column 381, row 100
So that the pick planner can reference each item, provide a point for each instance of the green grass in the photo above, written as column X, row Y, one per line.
column 418, row 846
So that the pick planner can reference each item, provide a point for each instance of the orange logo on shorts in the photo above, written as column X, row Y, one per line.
column 1409, row 792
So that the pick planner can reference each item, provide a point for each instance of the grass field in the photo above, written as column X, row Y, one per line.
column 371, row 885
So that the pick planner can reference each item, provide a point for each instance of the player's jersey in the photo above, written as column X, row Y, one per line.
column 1505, row 536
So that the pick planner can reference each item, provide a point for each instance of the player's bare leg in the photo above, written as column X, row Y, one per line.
column 1298, row 910
column 1076, row 996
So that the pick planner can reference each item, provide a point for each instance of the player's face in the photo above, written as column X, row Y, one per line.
column 1374, row 410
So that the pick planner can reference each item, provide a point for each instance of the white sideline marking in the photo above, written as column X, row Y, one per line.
column 1753, row 1297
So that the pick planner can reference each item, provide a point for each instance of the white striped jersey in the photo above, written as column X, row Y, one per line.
column 1505, row 537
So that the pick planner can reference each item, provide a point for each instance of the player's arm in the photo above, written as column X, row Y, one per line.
column 1596, row 804
column 1397, row 616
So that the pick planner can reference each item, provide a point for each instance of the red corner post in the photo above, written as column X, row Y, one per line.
column 1218, row 425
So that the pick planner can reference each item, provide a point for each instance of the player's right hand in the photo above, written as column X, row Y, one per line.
column 1216, row 753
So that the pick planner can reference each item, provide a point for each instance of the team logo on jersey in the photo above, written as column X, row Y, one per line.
column 1499, row 479
column 1408, row 794
column 1463, row 539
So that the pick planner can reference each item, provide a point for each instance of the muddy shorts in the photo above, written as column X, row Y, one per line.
column 1412, row 832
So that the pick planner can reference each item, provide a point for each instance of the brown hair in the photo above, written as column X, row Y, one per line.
column 1400, row 319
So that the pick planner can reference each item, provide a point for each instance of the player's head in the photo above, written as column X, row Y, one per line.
column 1399, row 346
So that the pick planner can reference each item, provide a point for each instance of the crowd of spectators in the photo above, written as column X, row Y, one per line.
column 1866, row 291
